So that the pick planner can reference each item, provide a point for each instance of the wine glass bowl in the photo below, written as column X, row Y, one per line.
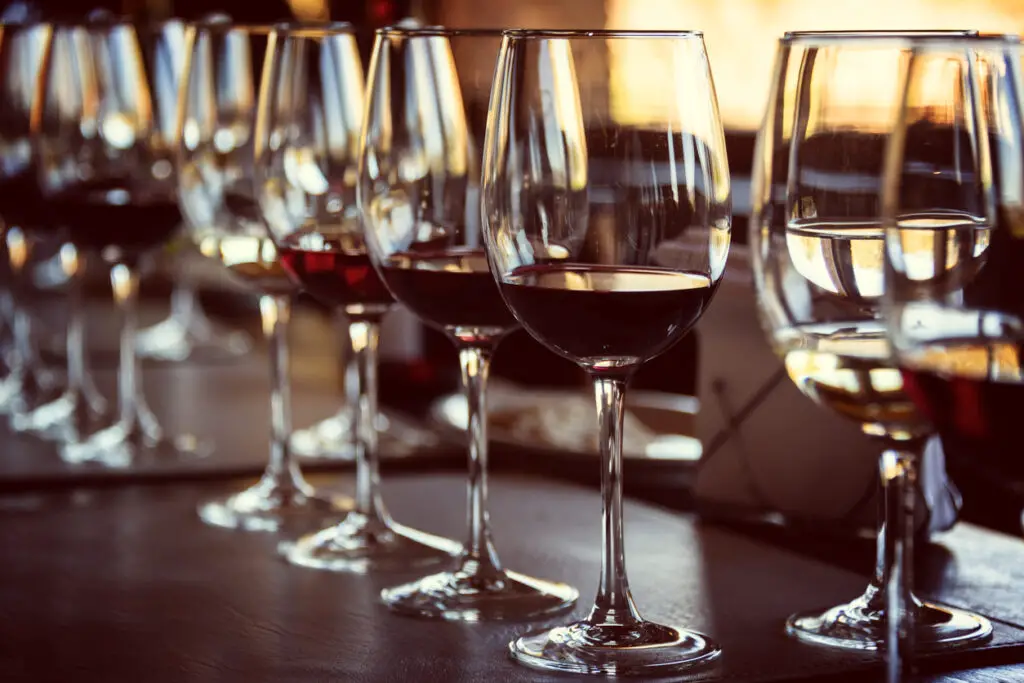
column 953, row 303
column 818, row 243
column 307, row 141
column 607, row 225
column 218, row 196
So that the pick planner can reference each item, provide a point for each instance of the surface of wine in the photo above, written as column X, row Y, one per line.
column 452, row 289
column 973, row 393
column 115, row 215
column 606, row 316
column 847, row 367
column 250, row 260
column 847, row 259
column 337, row 272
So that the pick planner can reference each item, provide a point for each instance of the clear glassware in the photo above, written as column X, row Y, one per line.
column 951, row 208
column 187, row 333
column 419, row 194
column 607, row 222
column 23, row 49
column 308, row 121
column 218, row 198
column 817, row 240
column 105, row 143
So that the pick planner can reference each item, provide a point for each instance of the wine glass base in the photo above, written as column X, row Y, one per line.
column 359, row 545
column 65, row 418
column 266, row 507
column 175, row 340
column 853, row 627
column 330, row 439
column 118, row 447
column 460, row 596
column 635, row 649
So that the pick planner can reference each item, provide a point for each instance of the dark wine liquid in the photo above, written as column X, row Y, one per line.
column 114, row 214
column 976, row 412
column 22, row 204
column 336, row 272
column 593, row 314
column 449, row 289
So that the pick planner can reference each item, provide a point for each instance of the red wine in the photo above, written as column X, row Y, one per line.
column 22, row 204
column 595, row 314
column 973, row 394
column 115, row 214
column 336, row 271
column 451, row 289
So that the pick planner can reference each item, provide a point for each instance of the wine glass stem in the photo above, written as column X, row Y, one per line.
column 184, row 301
column 479, row 559
column 898, row 469
column 614, row 603
column 75, row 342
column 125, row 283
column 275, row 312
column 362, row 396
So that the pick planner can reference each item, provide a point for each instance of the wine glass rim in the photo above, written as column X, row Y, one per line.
column 896, row 37
column 310, row 29
column 227, row 27
column 439, row 31
column 534, row 33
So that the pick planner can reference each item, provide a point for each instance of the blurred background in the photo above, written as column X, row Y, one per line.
column 753, row 457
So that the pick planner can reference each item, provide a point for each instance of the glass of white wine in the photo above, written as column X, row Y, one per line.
column 818, row 245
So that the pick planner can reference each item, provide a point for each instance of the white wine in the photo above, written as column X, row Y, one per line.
column 251, row 260
column 847, row 259
column 847, row 368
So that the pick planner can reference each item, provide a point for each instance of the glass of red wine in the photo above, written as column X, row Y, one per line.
column 307, row 142
column 817, row 239
column 419, row 192
column 106, row 146
column 218, row 197
column 23, row 48
column 607, row 219
column 955, row 299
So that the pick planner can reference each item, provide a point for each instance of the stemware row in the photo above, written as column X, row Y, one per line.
column 490, row 180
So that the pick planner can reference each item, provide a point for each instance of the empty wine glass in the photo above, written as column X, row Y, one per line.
column 106, row 151
column 420, row 198
column 817, row 241
column 607, row 215
column 307, row 140
column 218, row 198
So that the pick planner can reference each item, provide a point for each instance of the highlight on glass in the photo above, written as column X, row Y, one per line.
column 607, row 228
column 818, row 243
column 307, row 142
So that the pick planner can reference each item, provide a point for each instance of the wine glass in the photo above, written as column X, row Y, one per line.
column 952, row 204
column 105, row 154
column 606, row 218
column 307, row 135
column 419, row 195
column 817, row 242
column 22, row 52
column 218, row 198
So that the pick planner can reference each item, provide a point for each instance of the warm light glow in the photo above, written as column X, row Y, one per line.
column 310, row 10
column 741, row 38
